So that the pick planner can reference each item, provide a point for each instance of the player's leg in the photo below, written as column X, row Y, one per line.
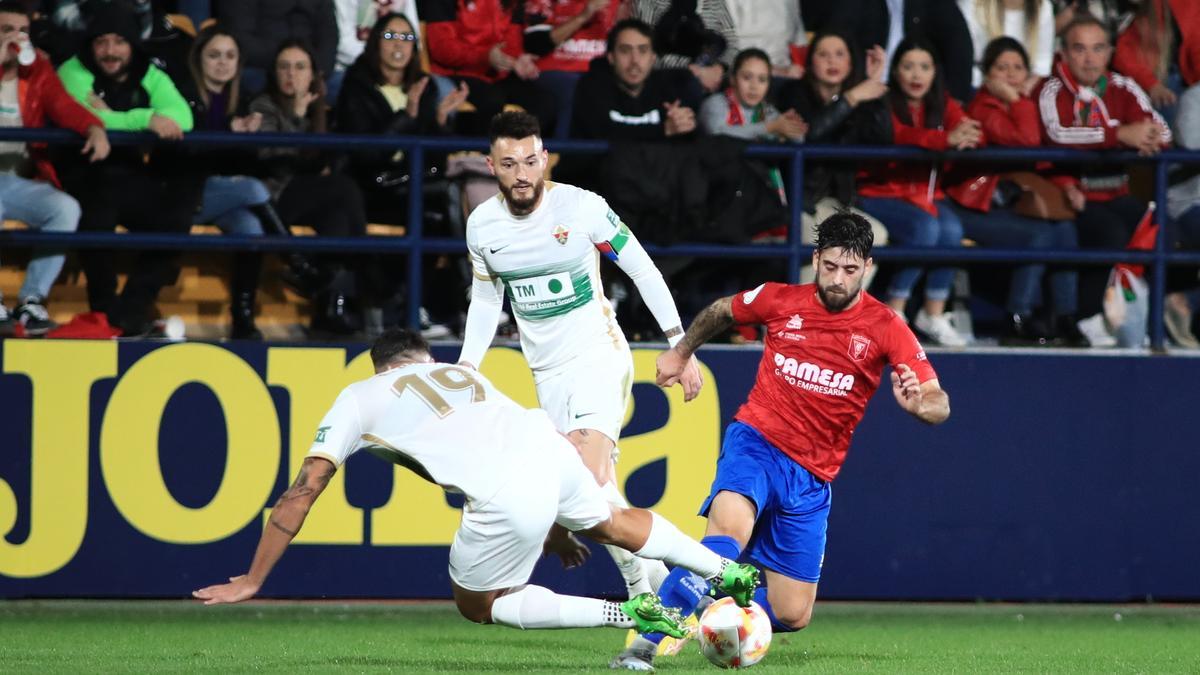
column 498, row 544
column 789, row 602
column 751, row 474
column 531, row 607
column 590, row 400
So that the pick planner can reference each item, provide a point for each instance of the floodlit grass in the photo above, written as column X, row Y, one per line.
column 133, row 636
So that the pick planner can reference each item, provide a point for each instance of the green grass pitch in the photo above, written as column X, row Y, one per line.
column 178, row 636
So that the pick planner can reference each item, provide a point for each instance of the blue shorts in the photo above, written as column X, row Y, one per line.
column 792, row 504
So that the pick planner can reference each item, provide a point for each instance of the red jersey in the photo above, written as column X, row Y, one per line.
column 819, row 369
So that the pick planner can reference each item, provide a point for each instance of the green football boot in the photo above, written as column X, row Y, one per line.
column 648, row 612
column 738, row 581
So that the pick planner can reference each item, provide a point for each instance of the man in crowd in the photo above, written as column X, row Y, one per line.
column 114, row 78
column 1086, row 106
column 32, row 96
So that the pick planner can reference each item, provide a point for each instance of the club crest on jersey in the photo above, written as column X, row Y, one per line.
column 796, row 322
column 561, row 233
column 859, row 346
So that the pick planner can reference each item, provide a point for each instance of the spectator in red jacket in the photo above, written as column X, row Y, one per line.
column 1147, row 48
column 1084, row 105
column 1009, row 118
column 907, row 196
column 566, row 35
column 481, row 42
column 32, row 96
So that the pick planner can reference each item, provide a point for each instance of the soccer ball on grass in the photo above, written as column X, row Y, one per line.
column 732, row 636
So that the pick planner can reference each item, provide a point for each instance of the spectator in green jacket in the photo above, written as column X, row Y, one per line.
column 113, row 77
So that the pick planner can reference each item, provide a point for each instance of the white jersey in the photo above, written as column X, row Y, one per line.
column 549, row 264
column 447, row 423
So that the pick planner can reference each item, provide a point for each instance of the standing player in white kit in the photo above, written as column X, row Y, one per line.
column 525, row 488
column 540, row 242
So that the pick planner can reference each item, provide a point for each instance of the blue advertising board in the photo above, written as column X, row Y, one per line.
column 133, row 469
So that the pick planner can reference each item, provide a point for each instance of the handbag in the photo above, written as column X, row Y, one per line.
column 1127, row 306
column 1039, row 197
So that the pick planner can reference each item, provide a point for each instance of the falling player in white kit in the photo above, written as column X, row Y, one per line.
column 540, row 242
column 524, row 484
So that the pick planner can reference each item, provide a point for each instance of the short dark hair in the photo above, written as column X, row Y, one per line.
column 999, row 46
column 513, row 124
column 848, row 231
column 747, row 54
column 1084, row 19
column 397, row 342
column 624, row 25
column 14, row 7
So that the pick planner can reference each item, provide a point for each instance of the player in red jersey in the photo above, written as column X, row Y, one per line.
column 826, row 348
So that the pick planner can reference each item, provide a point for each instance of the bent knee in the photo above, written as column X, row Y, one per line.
column 475, row 612
column 795, row 619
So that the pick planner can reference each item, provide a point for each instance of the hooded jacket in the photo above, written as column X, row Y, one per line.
column 133, row 102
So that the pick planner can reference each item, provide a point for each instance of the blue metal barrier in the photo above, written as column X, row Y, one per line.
column 414, row 245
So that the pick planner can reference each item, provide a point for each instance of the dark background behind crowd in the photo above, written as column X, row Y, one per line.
column 677, row 87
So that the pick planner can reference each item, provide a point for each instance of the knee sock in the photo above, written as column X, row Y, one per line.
column 683, row 589
column 668, row 544
column 641, row 576
column 533, row 607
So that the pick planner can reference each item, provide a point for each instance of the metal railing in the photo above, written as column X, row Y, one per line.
column 414, row 244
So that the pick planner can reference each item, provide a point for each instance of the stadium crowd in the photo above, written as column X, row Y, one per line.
column 678, row 87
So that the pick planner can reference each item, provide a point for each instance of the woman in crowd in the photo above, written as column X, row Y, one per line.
column 841, row 107
column 301, row 180
column 907, row 196
column 1009, row 117
column 233, row 202
column 387, row 92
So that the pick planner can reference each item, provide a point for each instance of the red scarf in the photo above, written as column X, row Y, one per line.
column 735, row 117
column 1089, row 109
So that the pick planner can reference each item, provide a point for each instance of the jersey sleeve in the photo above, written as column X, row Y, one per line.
column 902, row 347
column 339, row 432
column 756, row 305
column 604, row 227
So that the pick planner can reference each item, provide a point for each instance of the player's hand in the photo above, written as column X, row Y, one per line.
column 238, row 589
column 906, row 386
column 691, row 379
column 572, row 552
column 670, row 365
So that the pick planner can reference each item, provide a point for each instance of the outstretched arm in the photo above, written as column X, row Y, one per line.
column 286, row 519
column 926, row 401
column 712, row 321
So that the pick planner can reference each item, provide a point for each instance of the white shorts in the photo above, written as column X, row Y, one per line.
column 499, row 542
column 591, row 392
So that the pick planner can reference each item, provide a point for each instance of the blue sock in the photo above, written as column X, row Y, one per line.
column 760, row 596
column 683, row 589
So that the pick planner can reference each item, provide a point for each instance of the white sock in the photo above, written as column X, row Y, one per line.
column 641, row 576
column 533, row 607
column 668, row 544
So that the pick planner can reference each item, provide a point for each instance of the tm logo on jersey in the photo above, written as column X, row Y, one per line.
column 814, row 378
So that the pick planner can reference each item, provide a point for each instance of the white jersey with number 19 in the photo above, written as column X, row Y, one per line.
column 447, row 423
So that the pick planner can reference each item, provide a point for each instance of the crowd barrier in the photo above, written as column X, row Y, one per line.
column 414, row 244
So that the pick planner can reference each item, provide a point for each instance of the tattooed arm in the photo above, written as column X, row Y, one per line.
column 711, row 322
column 286, row 519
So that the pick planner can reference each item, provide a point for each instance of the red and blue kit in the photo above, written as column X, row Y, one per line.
column 819, row 369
